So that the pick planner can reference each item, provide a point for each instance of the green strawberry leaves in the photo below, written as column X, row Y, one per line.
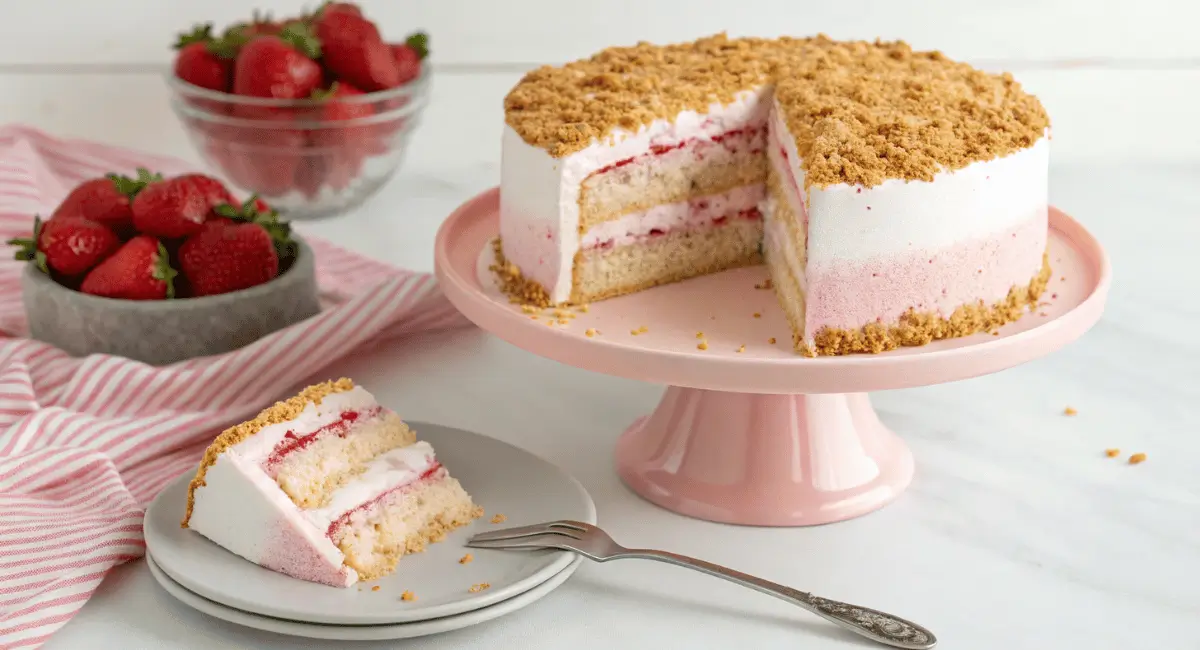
column 201, row 33
column 299, row 36
column 131, row 186
column 419, row 42
column 280, row 231
column 27, row 248
column 162, row 270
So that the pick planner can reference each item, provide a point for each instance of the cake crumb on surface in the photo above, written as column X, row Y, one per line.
column 408, row 596
column 765, row 284
column 563, row 321
column 584, row 308
column 590, row 332
column 699, row 335
column 1112, row 453
column 742, row 348
column 499, row 518
column 466, row 559
column 757, row 315
column 1137, row 458
column 702, row 345
column 1069, row 411
column 375, row 588
column 479, row 587
column 771, row 340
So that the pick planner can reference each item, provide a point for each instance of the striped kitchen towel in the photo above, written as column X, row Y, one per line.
column 86, row 443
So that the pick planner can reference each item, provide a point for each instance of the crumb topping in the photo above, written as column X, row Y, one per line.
column 499, row 519
column 1137, row 458
column 476, row 588
column 408, row 596
column 279, row 412
column 466, row 559
column 860, row 112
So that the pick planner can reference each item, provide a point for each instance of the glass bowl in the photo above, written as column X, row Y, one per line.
column 308, row 158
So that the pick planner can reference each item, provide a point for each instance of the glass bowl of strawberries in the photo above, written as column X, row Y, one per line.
column 313, row 113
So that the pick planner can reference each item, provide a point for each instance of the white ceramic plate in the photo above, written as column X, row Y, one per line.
column 500, row 477
column 359, row 632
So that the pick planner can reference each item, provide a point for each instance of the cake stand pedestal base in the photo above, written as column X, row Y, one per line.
column 764, row 460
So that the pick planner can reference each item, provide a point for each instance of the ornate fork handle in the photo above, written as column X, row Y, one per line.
column 872, row 624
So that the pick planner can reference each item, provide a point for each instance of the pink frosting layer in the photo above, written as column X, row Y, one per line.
column 852, row 294
column 291, row 553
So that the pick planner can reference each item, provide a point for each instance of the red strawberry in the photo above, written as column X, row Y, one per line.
column 260, row 205
column 67, row 245
column 410, row 54
column 355, row 52
column 222, row 258
column 203, row 60
column 139, row 270
column 334, row 7
column 169, row 209
column 259, row 25
column 213, row 190
column 105, row 200
column 279, row 66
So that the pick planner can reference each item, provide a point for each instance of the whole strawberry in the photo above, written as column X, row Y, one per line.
column 105, row 200
column 355, row 52
column 226, row 257
column 213, row 190
column 279, row 66
column 66, row 245
column 204, row 60
column 410, row 54
column 170, row 208
column 139, row 270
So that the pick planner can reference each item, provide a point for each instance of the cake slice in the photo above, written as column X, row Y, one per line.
column 327, row 486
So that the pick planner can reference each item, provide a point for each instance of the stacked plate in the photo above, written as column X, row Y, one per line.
column 447, row 589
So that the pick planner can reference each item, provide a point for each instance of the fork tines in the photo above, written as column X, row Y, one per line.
column 572, row 529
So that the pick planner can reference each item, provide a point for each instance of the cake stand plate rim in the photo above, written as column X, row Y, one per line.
column 471, row 227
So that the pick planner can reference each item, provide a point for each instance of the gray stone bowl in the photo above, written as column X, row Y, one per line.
column 161, row 332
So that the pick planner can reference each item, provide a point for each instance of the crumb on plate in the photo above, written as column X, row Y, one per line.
column 1112, row 453
column 499, row 519
column 408, row 596
column 1137, row 458
column 702, row 345
column 479, row 587
column 466, row 559
column 375, row 588
column 771, row 340
column 1070, row 411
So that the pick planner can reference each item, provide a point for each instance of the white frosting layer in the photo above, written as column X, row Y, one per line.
column 852, row 223
column 314, row 416
column 242, row 509
column 539, row 194
column 394, row 468
column 673, row 216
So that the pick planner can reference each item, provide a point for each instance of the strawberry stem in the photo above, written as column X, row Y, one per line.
column 299, row 36
column 162, row 270
column 201, row 33
column 27, row 247
column 131, row 186
column 419, row 42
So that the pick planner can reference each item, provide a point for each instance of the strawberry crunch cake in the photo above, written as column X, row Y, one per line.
column 327, row 486
column 897, row 197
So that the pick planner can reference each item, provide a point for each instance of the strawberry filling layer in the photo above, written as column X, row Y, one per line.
column 750, row 137
column 435, row 470
column 695, row 214
column 293, row 442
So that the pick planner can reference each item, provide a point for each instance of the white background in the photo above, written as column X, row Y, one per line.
column 1016, row 533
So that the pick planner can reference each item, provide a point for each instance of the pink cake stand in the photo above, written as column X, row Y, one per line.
column 757, row 435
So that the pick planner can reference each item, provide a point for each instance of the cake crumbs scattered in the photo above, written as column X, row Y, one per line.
column 702, row 345
column 563, row 321
column 479, row 587
column 641, row 330
column 499, row 518
column 533, row 317
column 1062, row 279
column 765, row 284
column 549, row 323
column 699, row 335
column 1070, row 411
column 742, row 348
column 375, row 588
column 1112, row 453
column 590, row 332
column 1137, row 458
column 530, row 309
column 584, row 308
column 757, row 315
column 408, row 596
column 466, row 559
column 771, row 340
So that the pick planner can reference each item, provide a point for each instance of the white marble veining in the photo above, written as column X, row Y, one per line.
column 1016, row 533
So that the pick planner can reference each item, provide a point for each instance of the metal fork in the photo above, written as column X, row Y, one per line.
column 595, row 544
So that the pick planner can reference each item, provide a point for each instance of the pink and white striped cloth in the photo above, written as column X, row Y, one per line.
column 86, row 443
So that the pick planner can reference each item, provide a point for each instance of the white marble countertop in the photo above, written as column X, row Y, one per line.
column 1017, row 532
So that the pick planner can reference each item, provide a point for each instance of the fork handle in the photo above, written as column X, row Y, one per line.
column 872, row 624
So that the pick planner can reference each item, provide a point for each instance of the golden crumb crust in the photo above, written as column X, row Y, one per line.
column 279, row 412
column 860, row 112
